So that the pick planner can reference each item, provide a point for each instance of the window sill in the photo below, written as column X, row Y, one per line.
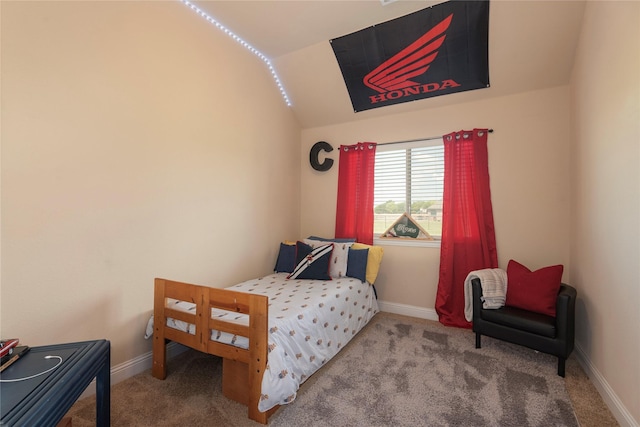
column 386, row 241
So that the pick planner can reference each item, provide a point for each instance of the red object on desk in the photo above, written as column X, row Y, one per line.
column 18, row 352
column 6, row 346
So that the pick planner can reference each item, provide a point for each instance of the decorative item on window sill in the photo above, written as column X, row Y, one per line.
column 406, row 227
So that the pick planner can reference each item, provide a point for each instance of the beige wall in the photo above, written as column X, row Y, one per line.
column 137, row 141
column 528, row 167
column 605, row 206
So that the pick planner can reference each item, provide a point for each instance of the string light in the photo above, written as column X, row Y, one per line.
column 242, row 43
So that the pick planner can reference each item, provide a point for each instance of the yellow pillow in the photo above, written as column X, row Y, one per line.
column 373, row 260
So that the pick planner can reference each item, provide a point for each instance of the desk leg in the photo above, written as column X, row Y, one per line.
column 103, row 393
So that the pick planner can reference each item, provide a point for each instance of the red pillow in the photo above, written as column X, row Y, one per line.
column 534, row 291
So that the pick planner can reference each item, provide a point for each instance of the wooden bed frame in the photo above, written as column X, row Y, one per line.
column 242, row 370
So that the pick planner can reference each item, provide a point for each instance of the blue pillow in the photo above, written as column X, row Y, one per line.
column 357, row 264
column 312, row 263
column 286, row 259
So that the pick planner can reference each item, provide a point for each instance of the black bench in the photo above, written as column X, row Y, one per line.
column 551, row 335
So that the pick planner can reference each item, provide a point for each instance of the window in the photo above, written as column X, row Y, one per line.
column 409, row 179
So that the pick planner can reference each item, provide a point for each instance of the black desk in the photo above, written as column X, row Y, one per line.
column 44, row 400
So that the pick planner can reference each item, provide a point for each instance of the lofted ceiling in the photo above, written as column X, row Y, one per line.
column 531, row 47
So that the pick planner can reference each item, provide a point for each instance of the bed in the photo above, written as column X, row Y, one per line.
column 272, row 333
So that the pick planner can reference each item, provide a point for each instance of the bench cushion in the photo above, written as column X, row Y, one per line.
column 536, row 323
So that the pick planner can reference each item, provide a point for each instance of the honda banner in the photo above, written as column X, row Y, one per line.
column 436, row 51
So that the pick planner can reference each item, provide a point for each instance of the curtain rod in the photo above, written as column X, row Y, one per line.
column 420, row 139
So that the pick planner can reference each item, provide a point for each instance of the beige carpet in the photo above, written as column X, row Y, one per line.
column 398, row 371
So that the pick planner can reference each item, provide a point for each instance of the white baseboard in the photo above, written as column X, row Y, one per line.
column 408, row 310
column 616, row 407
column 133, row 367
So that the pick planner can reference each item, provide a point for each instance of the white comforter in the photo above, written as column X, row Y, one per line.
column 309, row 322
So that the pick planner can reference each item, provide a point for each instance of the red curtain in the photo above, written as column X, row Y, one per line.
column 354, row 213
column 468, row 236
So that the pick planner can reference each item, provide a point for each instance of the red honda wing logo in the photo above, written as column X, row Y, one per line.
column 412, row 61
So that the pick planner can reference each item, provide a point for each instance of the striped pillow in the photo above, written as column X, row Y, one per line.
column 312, row 263
column 339, row 256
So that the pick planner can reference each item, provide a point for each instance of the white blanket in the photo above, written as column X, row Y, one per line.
column 494, row 289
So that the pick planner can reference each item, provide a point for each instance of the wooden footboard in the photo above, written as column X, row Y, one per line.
column 243, row 369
